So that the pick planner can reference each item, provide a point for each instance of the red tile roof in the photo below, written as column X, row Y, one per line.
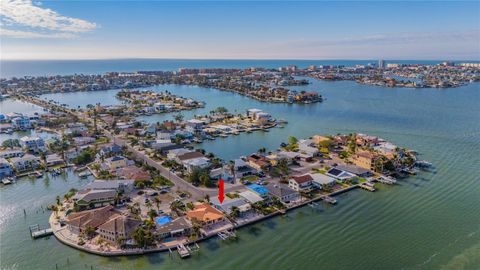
column 302, row 178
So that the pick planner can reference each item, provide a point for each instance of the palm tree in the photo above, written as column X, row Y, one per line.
column 157, row 202
column 148, row 205
column 54, row 208
column 235, row 212
column 90, row 231
column 178, row 117
column 121, row 241
column 139, row 236
column 152, row 214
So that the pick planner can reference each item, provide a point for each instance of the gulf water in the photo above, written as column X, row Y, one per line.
column 428, row 221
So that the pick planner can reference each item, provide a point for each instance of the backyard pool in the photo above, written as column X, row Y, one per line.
column 162, row 220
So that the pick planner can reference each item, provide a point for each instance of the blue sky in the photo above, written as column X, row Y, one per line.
column 240, row 30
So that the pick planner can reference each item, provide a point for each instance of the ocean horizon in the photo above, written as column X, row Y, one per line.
column 21, row 68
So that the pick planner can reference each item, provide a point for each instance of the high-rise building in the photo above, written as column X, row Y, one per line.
column 381, row 63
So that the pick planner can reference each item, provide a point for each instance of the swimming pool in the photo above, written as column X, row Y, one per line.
column 162, row 220
column 260, row 190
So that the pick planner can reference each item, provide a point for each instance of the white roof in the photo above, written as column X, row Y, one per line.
column 179, row 151
column 250, row 196
column 322, row 179
column 197, row 161
column 195, row 121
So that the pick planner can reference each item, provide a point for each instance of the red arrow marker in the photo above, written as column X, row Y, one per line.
column 220, row 191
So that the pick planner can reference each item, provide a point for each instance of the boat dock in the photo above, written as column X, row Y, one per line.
column 386, row 180
column 7, row 181
column 367, row 186
column 37, row 232
column 225, row 235
column 329, row 199
column 185, row 251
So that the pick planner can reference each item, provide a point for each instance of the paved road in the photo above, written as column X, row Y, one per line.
column 178, row 181
column 196, row 192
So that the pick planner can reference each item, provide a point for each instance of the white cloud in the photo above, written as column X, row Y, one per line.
column 29, row 34
column 40, row 22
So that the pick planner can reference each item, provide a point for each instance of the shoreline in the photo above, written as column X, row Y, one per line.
column 133, row 252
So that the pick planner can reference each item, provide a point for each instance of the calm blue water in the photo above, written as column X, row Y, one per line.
column 429, row 221
column 10, row 68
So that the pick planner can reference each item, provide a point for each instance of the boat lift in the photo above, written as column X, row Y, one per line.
column 37, row 232
column 225, row 235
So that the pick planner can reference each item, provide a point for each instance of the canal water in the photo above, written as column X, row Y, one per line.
column 429, row 221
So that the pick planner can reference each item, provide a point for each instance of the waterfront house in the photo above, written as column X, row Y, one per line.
column 33, row 144
column 175, row 153
column 359, row 171
column 252, row 113
column 365, row 159
column 322, row 181
column 306, row 147
column 339, row 174
column 228, row 205
column 205, row 214
column 71, row 154
column 21, row 123
column 259, row 189
column 366, row 140
column 11, row 153
column 164, row 146
column 180, row 227
column 263, row 118
column 250, row 196
column 317, row 139
column 195, row 125
column 284, row 193
column 300, row 182
column 242, row 169
column 25, row 163
column 53, row 160
column 386, row 148
column 6, row 169
column 293, row 156
column 94, row 198
column 120, row 186
column 78, row 222
column 118, row 228
column 258, row 162
column 189, row 155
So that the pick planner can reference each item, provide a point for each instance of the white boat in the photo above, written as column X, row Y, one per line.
column 6, row 181
column 84, row 174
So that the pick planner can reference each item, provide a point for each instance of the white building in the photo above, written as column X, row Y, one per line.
column 322, row 181
column 25, row 163
column 34, row 144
